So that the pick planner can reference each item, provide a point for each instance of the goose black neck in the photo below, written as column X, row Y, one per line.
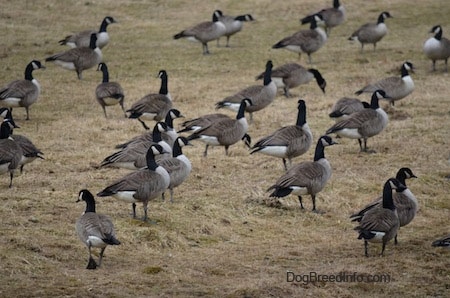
column 5, row 130
column 401, row 176
column 156, row 134
column 105, row 73
column 381, row 18
column 319, row 79
column 336, row 4
column 388, row 202
column 241, row 18
column 163, row 90
column 301, row 116
column 150, row 158
column 438, row 35
column 176, row 150
column 313, row 24
column 404, row 71
column 268, row 74
column 29, row 72
column 320, row 151
column 241, row 111
column 90, row 204
column 374, row 102
column 103, row 26
column 93, row 41
column 169, row 120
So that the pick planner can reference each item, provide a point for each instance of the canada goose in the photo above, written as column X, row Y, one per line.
column 179, row 167
column 437, row 47
column 260, row 95
column 345, row 106
column 94, row 229
column 79, row 59
column 305, row 41
column 153, row 106
column 224, row 132
column 143, row 185
column 10, row 152
column 201, row 122
column 381, row 224
column 371, row 32
column 404, row 200
column 332, row 16
column 133, row 156
column 5, row 113
column 396, row 88
column 291, row 75
column 363, row 124
column 308, row 177
column 169, row 135
column 289, row 141
column 82, row 39
column 233, row 24
column 443, row 241
column 108, row 93
column 29, row 150
column 22, row 93
column 204, row 32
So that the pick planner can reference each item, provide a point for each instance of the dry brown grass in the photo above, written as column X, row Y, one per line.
column 219, row 238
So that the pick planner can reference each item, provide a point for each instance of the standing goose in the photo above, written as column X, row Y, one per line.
column 204, row 32
column 308, row 177
column 79, row 59
column 133, row 156
column 201, row 122
column 109, row 93
column 332, row 16
column 82, row 39
column 381, row 224
column 292, row 75
column 437, row 47
column 305, row 41
column 233, row 24
column 224, row 132
column 94, row 229
column 22, row 93
column 443, row 242
column 345, row 106
column 143, row 185
column 260, row 95
column 10, row 152
column 404, row 200
column 289, row 141
column 169, row 135
column 153, row 106
column 363, row 124
column 371, row 32
column 396, row 88
column 179, row 167
column 29, row 151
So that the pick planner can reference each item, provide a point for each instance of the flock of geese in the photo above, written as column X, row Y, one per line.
column 156, row 158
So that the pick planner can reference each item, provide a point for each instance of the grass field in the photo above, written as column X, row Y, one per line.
column 222, row 237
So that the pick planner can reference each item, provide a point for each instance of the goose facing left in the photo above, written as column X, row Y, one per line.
column 95, row 230
column 108, row 93
column 79, row 59
column 308, row 177
column 204, row 32
column 22, row 93
column 437, row 47
column 82, row 39
column 10, row 151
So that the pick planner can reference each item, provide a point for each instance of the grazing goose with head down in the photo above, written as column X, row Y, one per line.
column 82, row 39
column 109, row 93
column 371, row 32
column 345, row 106
column 143, row 185
column 260, row 95
column 305, row 41
column 308, row 177
column 442, row 242
column 224, row 131
column 204, row 32
column 79, row 59
column 396, row 88
column 22, row 93
column 381, row 224
column 363, row 124
column 94, row 229
column 332, row 16
column 404, row 200
column 437, row 47
column 233, row 24
column 289, row 141
column 292, row 75
column 153, row 106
